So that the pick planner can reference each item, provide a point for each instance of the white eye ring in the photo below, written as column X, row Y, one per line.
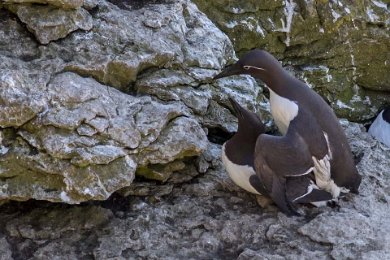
column 247, row 67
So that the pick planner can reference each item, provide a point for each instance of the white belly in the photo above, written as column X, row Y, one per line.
column 240, row 174
column 283, row 111
column 380, row 130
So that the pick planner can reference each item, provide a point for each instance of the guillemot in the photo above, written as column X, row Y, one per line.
column 238, row 159
column 312, row 142
column 238, row 151
column 380, row 128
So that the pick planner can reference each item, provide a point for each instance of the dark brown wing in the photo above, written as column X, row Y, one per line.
column 278, row 158
column 303, row 190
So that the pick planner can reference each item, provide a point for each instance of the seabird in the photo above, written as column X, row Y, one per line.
column 238, row 151
column 238, row 159
column 380, row 128
column 313, row 140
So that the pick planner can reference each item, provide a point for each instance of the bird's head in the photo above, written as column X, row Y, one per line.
column 257, row 63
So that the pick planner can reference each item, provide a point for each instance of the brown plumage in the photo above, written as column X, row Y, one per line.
column 313, row 137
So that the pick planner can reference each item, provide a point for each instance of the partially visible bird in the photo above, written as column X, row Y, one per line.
column 380, row 128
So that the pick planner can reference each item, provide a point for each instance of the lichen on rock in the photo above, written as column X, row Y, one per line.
column 49, row 23
column 338, row 48
column 123, row 93
column 63, row 4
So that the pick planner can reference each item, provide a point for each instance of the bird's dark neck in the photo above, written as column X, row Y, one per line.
column 240, row 150
column 279, row 80
column 386, row 115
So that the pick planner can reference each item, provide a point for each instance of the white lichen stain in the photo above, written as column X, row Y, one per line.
column 371, row 15
column 88, row 191
column 231, row 24
column 236, row 10
column 286, row 26
column 251, row 23
column 271, row 22
column 354, row 75
column 64, row 196
column 328, row 76
column 3, row 150
column 379, row 4
column 340, row 104
column 335, row 15
column 3, row 191
column 307, row 82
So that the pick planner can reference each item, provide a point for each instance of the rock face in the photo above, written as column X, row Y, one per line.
column 63, row 4
column 97, row 93
column 209, row 218
column 100, row 92
column 339, row 48
column 50, row 23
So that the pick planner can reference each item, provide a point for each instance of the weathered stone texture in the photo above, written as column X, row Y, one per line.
column 339, row 48
column 209, row 218
column 131, row 90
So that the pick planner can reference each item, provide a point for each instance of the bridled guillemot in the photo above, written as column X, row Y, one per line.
column 312, row 141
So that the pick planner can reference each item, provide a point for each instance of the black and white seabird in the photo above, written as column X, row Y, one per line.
column 380, row 128
column 312, row 141
column 238, row 159
column 238, row 151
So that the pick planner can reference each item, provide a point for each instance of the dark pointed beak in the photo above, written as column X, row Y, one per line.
column 231, row 70
column 236, row 107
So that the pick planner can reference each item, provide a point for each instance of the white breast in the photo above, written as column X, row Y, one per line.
column 380, row 130
column 283, row 111
column 240, row 174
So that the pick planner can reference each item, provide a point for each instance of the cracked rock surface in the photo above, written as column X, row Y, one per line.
column 339, row 48
column 89, row 99
column 208, row 218
column 110, row 104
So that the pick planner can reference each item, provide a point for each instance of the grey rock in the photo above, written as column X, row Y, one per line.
column 160, row 133
column 49, row 24
column 20, row 102
column 5, row 249
column 63, row 4
column 139, row 47
column 209, row 218
column 338, row 48
column 78, row 218
column 135, row 94
column 146, row 189
column 67, row 106
column 160, row 172
column 182, row 137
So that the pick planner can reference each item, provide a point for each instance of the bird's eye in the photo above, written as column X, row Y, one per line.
column 246, row 67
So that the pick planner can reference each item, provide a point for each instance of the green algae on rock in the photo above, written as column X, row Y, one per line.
column 347, row 43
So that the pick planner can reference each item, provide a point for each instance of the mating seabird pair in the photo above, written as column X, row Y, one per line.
column 311, row 162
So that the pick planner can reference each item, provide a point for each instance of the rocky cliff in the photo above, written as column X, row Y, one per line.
column 340, row 48
column 93, row 93
column 99, row 96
